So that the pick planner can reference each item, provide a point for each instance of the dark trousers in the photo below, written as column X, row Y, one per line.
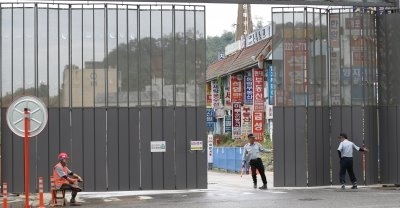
column 257, row 164
column 346, row 163
column 74, row 190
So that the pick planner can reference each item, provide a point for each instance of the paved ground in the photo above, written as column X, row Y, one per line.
column 231, row 191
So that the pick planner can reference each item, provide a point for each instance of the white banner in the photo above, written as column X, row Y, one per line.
column 210, row 147
column 158, row 146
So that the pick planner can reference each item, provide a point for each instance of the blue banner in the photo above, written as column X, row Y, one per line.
column 210, row 119
column 248, row 88
column 271, row 85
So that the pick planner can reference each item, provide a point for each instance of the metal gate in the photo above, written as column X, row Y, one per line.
column 326, row 74
column 115, row 78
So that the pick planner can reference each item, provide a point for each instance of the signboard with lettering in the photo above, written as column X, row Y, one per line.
column 158, row 146
column 208, row 95
column 210, row 146
column 210, row 119
column 196, row 145
column 258, row 125
column 248, row 87
column 271, row 85
column 215, row 94
column 258, row 80
column 228, row 123
column 236, row 88
column 246, row 120
column 236, row 120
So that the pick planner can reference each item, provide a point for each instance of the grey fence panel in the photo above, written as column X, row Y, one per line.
column 112, row 149
column 7, row 141
column 300, row 152
column 89, row 147
column 312, row 149
column 346, row 118
column 392, row 144
column 180, row 148
column 123, row 148
column 290, row 146
column 18, row 163
column 326, row 137
column 157, row 158
column 33, row 177
column 191, row 155
column 336, row 128
column 100, row 158
column 44, row 168
column 54, row 135
column 371, row 142
column 134, row 151
column 396, row 155
column 202, row 155
column 169, row 155
column 319, row 145
column 77, row 141
column 65, row 131
column 145, row 154
column 357, row 137
column 384, row 144
column 279, row 147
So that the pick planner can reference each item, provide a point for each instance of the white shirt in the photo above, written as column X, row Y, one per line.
column 346, row 148
column 251, row 152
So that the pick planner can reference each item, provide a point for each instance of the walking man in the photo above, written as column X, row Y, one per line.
column 345, row 151
column 251, row 153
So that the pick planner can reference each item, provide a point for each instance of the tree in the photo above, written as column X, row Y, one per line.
column 217, row 44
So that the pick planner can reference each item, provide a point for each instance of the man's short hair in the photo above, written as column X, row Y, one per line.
column 251, row 136
column 343, row 135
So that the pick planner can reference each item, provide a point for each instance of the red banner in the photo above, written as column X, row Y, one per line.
column 258, row 83
column 258, row 125
column 208, row 95
column 215, row 95
column 236, row 88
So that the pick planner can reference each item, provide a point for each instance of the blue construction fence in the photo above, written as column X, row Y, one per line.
column 228, row 158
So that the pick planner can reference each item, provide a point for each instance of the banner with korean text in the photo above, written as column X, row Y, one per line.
column 258, row 81
column 215, row 95
column 208, row 95
column 236, row 88
column 236, row 121
column 246, row 120
column 258, row 125
column 248, row 88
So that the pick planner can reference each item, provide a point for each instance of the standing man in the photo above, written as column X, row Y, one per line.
column 251, row 153
column 345, row 151
column 65, row 178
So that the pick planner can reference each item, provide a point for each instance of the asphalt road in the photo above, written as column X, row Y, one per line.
column 231, row 191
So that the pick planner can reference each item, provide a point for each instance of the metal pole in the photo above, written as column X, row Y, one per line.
column 26, row 155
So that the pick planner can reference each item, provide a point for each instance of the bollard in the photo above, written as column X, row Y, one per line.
column 5, row 195
column 41, row 203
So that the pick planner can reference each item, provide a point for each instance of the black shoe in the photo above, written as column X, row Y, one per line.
column 343, row 187
column 255, row 185
column 264, row 187
column 354, row 187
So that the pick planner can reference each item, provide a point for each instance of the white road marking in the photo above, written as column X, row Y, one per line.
column 111, row 199
column 145, row 197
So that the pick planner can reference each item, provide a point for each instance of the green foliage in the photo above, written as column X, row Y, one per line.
column 217, row 44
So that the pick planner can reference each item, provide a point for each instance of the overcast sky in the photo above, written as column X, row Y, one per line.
column 222, row 17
